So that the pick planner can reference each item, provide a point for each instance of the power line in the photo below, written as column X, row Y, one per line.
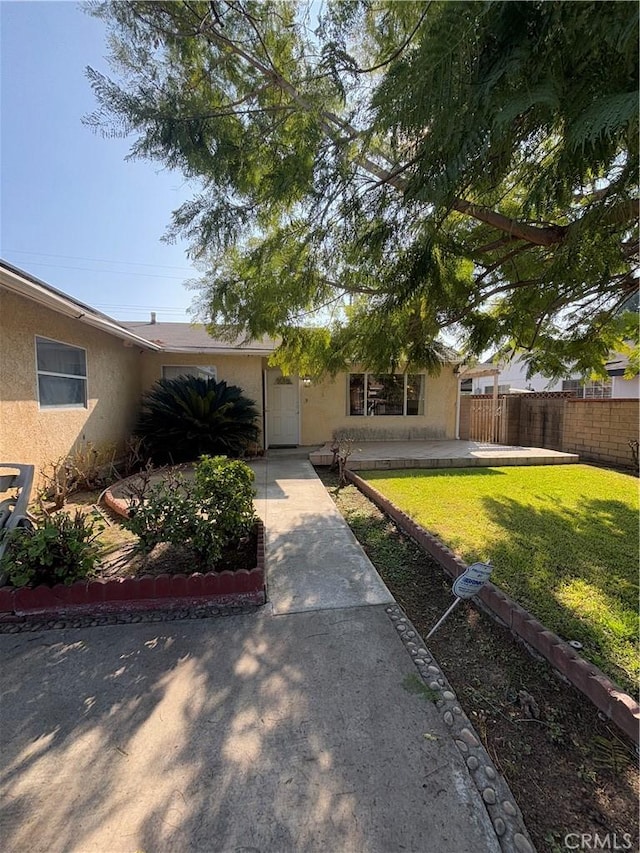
column 162, row 310
column 98, row 260
column 107, row 272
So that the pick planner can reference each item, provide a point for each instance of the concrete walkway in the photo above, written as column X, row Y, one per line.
column 314, row 561
column 296, row 728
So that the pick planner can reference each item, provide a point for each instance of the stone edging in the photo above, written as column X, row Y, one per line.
column 125, row 595
column 500, row 803
column 168, row 614
column 607, row 696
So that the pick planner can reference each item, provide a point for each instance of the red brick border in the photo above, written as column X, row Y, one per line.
column 118, row 505
column 150, row 592
column 608, row 697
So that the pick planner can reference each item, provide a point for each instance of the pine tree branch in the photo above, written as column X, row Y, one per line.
column 330, row 123
column 496, row 264
column 550, row 235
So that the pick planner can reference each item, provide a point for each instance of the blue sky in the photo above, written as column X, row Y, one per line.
column 72, row 211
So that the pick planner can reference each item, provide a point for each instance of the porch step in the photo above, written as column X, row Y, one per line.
column 372, row 455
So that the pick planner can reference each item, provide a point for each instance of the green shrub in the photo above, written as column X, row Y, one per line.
column 61, row 549
column 205, row 515
column 225, row 488
column 185, row 417
column 171, row 512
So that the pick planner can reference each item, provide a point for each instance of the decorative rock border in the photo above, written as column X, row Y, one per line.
column 607, row 696
column 501, row 806
column 125, row 595
column 169, row 614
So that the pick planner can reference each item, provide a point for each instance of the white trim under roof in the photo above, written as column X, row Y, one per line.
column 24, row 285
column 468, row 372
column 217, row 350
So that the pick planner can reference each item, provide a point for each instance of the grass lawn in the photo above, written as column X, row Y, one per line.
column 563, row 540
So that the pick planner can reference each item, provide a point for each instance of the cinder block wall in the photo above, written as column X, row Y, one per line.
column 510, row 426
column 600, row 430
column 541, row 422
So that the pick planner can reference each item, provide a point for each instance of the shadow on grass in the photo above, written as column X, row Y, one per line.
column 576, row 570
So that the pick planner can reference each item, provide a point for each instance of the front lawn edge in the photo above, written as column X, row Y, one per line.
column 607, row 696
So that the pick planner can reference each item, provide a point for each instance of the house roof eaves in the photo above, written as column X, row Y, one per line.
column 468, row 372
column 217, row 350
column 17, row 281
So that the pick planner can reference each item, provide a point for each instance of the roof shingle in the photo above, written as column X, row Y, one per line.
column 194, row 337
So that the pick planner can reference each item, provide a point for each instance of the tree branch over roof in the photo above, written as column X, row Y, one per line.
column 383, row 158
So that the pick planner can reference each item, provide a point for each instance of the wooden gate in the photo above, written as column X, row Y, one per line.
column 484, row 419
column 490, row 419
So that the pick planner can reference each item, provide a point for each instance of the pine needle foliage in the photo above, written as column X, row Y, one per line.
column 469, row 167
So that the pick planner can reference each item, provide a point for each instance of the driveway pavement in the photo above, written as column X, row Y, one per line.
column 305, row 726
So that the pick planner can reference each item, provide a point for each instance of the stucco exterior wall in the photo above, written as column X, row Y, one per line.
column 324, row 412
column 37, row 436
column 242, row 370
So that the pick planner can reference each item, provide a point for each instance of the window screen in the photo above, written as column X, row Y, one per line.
column 62, row 374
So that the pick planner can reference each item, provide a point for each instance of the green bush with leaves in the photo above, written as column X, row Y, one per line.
column 225, row 487
column 204, row 515
column 186, row 417
column 61, row 549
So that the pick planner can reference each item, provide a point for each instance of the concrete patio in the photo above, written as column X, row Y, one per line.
column 367, row 455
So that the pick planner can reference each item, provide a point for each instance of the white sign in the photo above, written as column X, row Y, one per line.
column 472, row 580
column 467, row 585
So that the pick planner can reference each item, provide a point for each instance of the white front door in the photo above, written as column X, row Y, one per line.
column 283, row 407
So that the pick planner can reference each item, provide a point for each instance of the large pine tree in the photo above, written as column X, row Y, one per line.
column 407, row 168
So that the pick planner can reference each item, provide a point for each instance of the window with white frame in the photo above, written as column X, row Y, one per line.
column 62, row 375
column 173, row 371
column 593, row 389
column 379, row 394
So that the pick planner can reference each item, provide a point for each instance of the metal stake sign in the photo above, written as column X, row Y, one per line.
column 467, row 585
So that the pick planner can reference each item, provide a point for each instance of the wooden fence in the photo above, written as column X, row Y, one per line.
column 494, row 420
column 598, row 430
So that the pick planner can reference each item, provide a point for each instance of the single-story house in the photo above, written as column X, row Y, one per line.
column 71, row 375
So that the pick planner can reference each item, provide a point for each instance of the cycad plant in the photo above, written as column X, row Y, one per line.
column 184, row 418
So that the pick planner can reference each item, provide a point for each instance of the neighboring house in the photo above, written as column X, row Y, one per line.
column 69, row 374
column 513, row 378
